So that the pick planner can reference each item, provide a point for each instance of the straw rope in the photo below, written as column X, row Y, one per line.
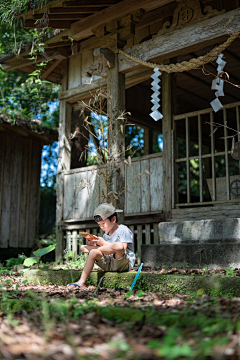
column 186, row 65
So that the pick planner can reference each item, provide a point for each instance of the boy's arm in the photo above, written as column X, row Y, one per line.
column 111, row 248
column 99, row 241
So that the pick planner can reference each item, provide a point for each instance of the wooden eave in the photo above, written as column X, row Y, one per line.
column 78, row 36
column 28, row 128
column 77, row 19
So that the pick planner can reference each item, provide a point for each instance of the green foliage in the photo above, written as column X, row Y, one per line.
column 38, row 253
column 31, row 261
column 11, row 10
column 21, row 94
column 44, row 251
column 229, row 271
column 15, row 261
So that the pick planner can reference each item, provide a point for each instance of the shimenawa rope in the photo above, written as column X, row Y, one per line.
column 186, row 65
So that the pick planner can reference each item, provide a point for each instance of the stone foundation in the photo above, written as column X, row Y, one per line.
column 213, row 243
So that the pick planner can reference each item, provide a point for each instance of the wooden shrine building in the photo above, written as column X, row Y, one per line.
column 113, row 45
column 21, row 143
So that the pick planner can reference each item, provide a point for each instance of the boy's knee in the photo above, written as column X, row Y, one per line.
column 96, row 254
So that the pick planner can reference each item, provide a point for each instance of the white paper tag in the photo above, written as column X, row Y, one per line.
column 216, row 104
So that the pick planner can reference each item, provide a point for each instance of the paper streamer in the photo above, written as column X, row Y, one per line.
column 155, row 114
column 217, row 84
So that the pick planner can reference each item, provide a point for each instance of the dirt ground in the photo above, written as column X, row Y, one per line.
column 54, row 322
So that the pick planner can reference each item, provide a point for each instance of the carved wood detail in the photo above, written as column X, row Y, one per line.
column 187, row 12
column 115, row 34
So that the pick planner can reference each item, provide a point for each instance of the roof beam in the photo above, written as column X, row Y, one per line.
column 83, row 28
column 54, row 24
column 89, row 3
column 75, row 16
column 84, row 91
column 74, row 10
column 50, row 69
column 182, row 41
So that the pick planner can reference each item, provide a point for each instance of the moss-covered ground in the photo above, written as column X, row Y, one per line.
column 216, row 284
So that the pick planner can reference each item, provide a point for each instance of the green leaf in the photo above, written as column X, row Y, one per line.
column 46, row 250
column 31, row 260
column 128, row 294
column 140, row 293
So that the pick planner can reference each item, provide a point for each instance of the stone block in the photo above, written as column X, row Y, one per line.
column 195, row 255
column 200, row 231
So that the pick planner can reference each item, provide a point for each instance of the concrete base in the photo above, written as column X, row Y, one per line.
column 213, row 243
column 193, row 255
column 200, row 231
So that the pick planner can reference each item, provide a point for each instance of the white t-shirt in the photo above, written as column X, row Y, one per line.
column 124, row 235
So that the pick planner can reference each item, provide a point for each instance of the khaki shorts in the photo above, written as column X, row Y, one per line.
column 109, row 263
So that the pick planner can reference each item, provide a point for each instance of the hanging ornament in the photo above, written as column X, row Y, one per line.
column 217, row 84
column 155, row 114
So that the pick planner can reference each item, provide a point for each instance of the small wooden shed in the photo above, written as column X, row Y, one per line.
column 21, row 143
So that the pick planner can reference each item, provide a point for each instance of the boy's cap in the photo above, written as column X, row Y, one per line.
column 105, row 210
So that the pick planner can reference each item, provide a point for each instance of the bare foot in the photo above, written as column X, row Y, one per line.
column 76, row 285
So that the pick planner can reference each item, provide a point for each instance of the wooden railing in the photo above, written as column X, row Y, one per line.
column 83, row 188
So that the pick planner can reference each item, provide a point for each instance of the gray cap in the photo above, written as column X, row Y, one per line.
column 105, row 210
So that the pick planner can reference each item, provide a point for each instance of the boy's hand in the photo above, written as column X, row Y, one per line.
column 90, row 241
column 99, row 241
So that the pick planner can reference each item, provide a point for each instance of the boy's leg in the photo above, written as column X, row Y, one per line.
column 116, row 248
column 95, row 254
column 87, row 248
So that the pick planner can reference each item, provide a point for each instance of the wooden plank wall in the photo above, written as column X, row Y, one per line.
column 77, row 69
column 20, row 166
column 79, row 202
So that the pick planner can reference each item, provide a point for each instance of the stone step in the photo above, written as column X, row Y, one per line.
column 200, row 231
column 215, row 285
column 195, row 255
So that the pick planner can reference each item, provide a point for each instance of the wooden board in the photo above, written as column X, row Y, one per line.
column 156, row 184
column 69, row 197
column 145, row 188
column 221, row 188
column 6, row 194
column 34, row 199
column 23, row 206
column 210, row 212
column 74, row 72
column 15, row 187
column 81, row 196
column 133, row 202
column 147, row 196
column 93, row 192
column 87, row 60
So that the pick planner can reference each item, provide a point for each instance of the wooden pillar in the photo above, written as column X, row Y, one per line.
column 64, row 160
column 116, row 134
column 167, row 125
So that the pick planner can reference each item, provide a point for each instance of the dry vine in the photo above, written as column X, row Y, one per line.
column 108, row 164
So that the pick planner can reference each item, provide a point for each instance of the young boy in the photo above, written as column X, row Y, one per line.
column 113, row 251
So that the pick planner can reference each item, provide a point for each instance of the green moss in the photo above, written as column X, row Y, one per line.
column 213, row 285
column 120, row 314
